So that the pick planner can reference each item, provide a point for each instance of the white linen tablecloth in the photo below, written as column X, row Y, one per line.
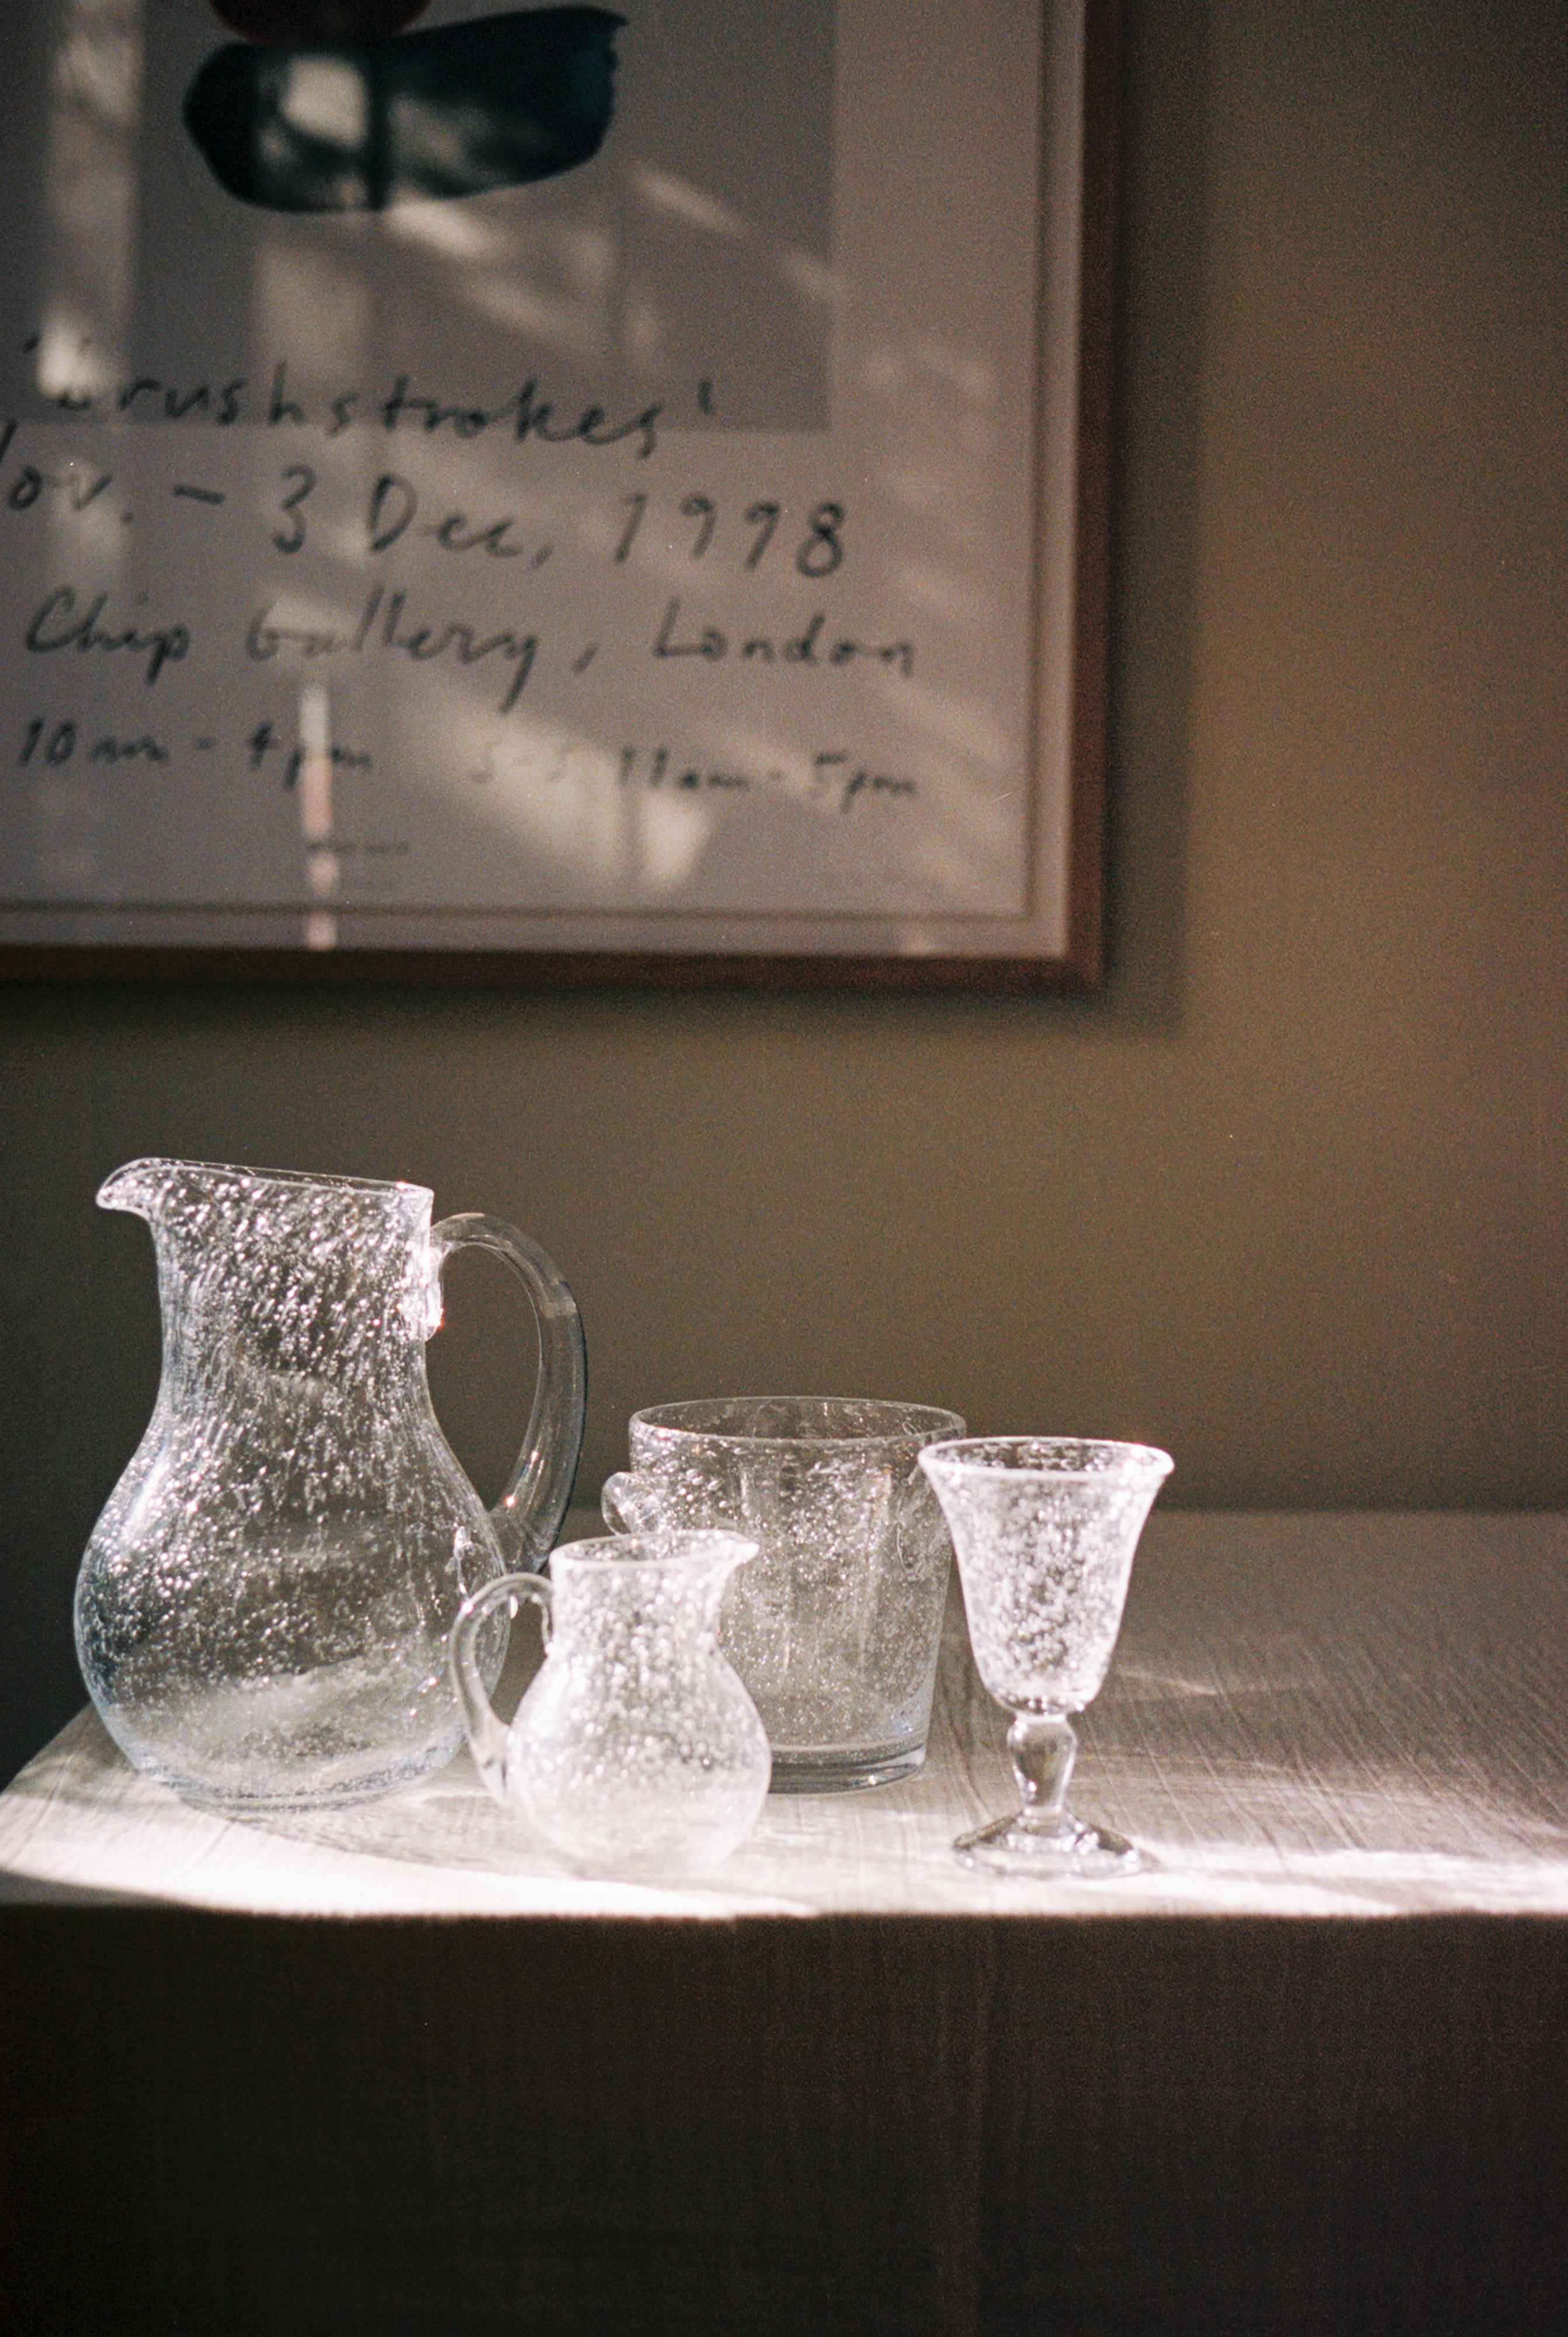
column 1326, row 1714
column 389, row 2073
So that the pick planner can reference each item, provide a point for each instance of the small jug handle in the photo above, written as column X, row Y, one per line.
column 488, row 1737
column 527, row 1518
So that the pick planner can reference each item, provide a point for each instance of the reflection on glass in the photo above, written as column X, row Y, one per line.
column 322, row 866
column 95, row 101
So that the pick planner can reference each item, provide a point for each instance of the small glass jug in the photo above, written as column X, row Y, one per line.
column 263, row 1611
column 636, row 1751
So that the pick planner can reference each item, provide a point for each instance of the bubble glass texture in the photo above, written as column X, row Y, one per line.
column 263, row 1611
column 1044, row 1529
column 835, row 1627
column 635, row 1751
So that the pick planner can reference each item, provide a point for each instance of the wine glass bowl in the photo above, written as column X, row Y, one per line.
column 1044, row 1529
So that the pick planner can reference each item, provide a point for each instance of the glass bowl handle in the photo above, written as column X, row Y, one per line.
column 631, row 1503
column 527, row 1518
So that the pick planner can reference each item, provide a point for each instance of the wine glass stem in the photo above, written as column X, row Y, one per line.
column 1042, row 1747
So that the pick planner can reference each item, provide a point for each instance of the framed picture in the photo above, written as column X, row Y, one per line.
column 556, row 493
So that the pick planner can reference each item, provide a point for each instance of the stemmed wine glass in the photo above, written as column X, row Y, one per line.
column 1045, row 1528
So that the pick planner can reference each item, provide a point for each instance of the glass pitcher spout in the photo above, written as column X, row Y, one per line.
column 138, row 1187
column 151, row 1186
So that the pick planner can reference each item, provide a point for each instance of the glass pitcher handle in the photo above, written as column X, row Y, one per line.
column 488, row 1736
column 527, row 1518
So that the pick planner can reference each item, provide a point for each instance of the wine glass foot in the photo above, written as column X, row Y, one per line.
column 1010, row 1845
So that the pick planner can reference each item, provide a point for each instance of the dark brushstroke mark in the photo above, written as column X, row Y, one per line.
column 456, row 110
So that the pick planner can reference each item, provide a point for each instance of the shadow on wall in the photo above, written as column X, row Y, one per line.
column 1161, row 280
column 82, row 1323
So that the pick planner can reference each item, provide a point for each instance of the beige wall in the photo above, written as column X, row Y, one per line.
column 1289, row 1197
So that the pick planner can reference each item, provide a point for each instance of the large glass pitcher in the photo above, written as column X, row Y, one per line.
column 263, row 1611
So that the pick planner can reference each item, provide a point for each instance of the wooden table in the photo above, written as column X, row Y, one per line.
column 388, row 2070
